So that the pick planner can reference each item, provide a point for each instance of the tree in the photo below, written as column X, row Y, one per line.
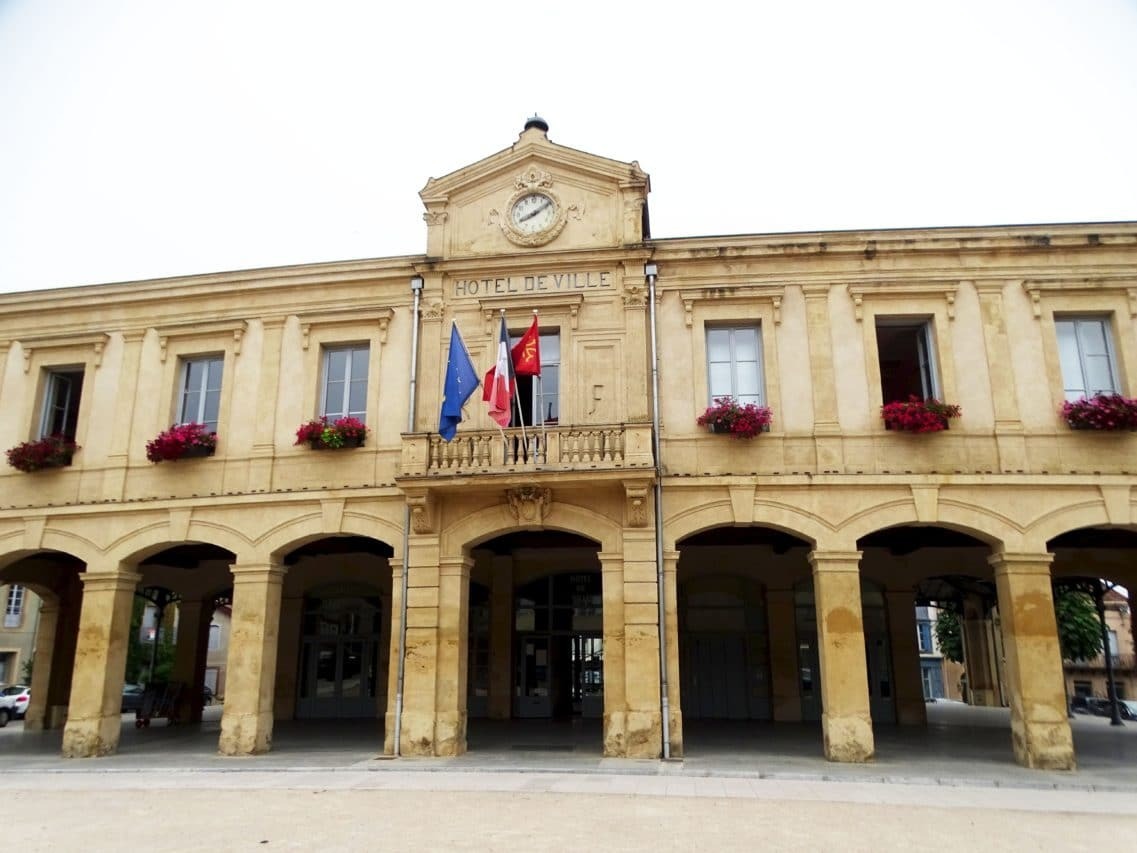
column 1079, row 629
column 948, row 636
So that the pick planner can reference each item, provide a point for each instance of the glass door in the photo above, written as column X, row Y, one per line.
column 532, row 685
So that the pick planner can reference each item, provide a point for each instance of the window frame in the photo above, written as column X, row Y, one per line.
column 15, row 602
column 759, row 362
column 1105, row 322
column 209, row 359
column 537, row 401
column 52, row 379
column 927, row 360
column 352, row 349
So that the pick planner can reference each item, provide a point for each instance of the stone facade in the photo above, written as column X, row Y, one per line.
column 789, row 563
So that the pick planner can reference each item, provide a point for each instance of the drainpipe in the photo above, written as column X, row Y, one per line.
column 416, row 289
column 651, row 271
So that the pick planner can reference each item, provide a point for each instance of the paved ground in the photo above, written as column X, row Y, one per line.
column 541, row 786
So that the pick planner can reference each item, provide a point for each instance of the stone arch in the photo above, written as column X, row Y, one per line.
column 52, row 540
column 485, row 524
column 779, row 516
column 149, row 540
column 1067, row 519
column 975, row 521
column 299, row 531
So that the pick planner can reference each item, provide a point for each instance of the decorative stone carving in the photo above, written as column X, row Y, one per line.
column 422, row 512
column 435, row 217
column 433, row 310
column 635, row 294
column 636, row 493
column 529, row 504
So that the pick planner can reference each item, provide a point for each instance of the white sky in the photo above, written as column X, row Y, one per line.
column 145, row 139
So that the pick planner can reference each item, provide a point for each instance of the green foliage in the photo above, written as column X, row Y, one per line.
column 948, row 636
column 1079, row 630
column 29, row 665
column 138, row 652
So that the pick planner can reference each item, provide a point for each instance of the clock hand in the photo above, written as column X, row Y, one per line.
column 533, row 213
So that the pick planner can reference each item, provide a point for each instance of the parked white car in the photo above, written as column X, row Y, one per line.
column 14, row 703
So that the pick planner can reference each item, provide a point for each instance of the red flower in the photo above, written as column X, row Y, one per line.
column 52, row 451
column 727, row 415
column 179, row 439
column 1103, row 412
column 916, row 415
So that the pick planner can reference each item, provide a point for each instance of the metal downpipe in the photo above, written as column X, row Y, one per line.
column 651, row 271
column 416, row 289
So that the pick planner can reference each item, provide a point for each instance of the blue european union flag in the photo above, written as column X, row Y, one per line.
column 461, row 381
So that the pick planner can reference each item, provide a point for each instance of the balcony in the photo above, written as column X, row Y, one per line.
column 611, row 448
column 1121, row 663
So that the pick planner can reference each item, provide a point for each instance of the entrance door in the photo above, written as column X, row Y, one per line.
column 533, row 686
column 339, row 659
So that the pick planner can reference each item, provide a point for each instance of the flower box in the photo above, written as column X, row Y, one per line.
column 1104, row 412
column 728, row 416
column 319, row 434
column 182, row 441
column 52, row 451
column 916, row 415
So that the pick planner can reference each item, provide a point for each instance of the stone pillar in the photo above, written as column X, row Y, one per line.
column 671, row 627
column 615, row 703
column 846, row 722
column 63, row 656
column 122, row 441
column 35, row 719
column 396, row 563
column 977, row 655
column 643, row 735
column 453, row 655
column 1040, row 730
column 288, row 657
column 1009, row 435
column 636, row 345
column 94, row 718
column 501, row 639
column 246, row 722
column 781, row 623
column 194, row 618
column 907, row 680
column 268, row 393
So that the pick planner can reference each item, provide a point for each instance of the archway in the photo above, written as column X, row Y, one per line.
column 535, row 667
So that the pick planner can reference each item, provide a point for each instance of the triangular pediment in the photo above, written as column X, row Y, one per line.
column 535, row 196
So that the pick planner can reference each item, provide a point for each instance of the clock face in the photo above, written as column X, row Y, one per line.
column 533, row 213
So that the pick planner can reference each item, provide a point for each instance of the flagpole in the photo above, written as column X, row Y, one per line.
column 516, row 397
column 541, row 404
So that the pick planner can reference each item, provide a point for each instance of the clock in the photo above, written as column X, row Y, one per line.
column 533, row 213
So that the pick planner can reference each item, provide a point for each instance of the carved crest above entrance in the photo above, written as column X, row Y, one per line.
column 529, row 504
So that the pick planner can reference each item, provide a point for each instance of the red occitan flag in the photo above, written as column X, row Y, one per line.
column 527, row 353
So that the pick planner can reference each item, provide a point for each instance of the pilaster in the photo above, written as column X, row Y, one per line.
column 826, row 425
column 643, row 737
column 246, row 722
column 615, row 702
column 36, row 718
column 95, row 713
column 453, row 656
column 671, row 627
column 1009, row 435
column 1040, row 730
column 846, row 722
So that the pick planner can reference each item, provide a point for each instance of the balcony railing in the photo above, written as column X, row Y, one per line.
column 561, row 448
column 1120, row 662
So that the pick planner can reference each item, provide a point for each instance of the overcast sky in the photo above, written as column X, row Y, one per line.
column 147, row 139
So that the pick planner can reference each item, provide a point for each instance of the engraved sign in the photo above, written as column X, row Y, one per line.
column 536, row 284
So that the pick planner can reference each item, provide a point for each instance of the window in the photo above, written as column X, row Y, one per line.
column 924, row 637
column 14, row 608
column 538, row 397
column 1086, row 356
column 61, row 402
column 201, row 391
column 344, row 391
column 734, row 364
column 907, row 360
column 214, row 637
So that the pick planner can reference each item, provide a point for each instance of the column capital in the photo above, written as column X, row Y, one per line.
column 835, row 561
column 455, row 567
column 611, row 561
column 1021, row 564
column 257, row 572
column 109, row 581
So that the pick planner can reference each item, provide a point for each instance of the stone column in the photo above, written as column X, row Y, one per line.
column 671, row 626
column 981, row 686
column 501, row 639
column 907, row 680
column 782, row 627
column 94, row 718
column 246, row 722
column 396, row 563
column 1040, row 730
column 615, row 702
column 846, row 722
column 453, row 655
column 643, row 720
column 288, row 657
column 35, row 719
column 194, row 618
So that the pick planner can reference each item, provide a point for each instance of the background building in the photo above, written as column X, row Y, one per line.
column 601, row 556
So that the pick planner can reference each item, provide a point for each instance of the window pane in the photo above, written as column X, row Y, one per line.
column 1068, row 357
column 1091, row 334
column 1099, row 375
column 337, row 365
column 550, row 349
column 357, row 399
column 720, row 380
column 359, row 360
column 749, row 383
column 213, row 382
column 191, row 407
column 209, row 411
column 746, row 344
column 718, row 345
